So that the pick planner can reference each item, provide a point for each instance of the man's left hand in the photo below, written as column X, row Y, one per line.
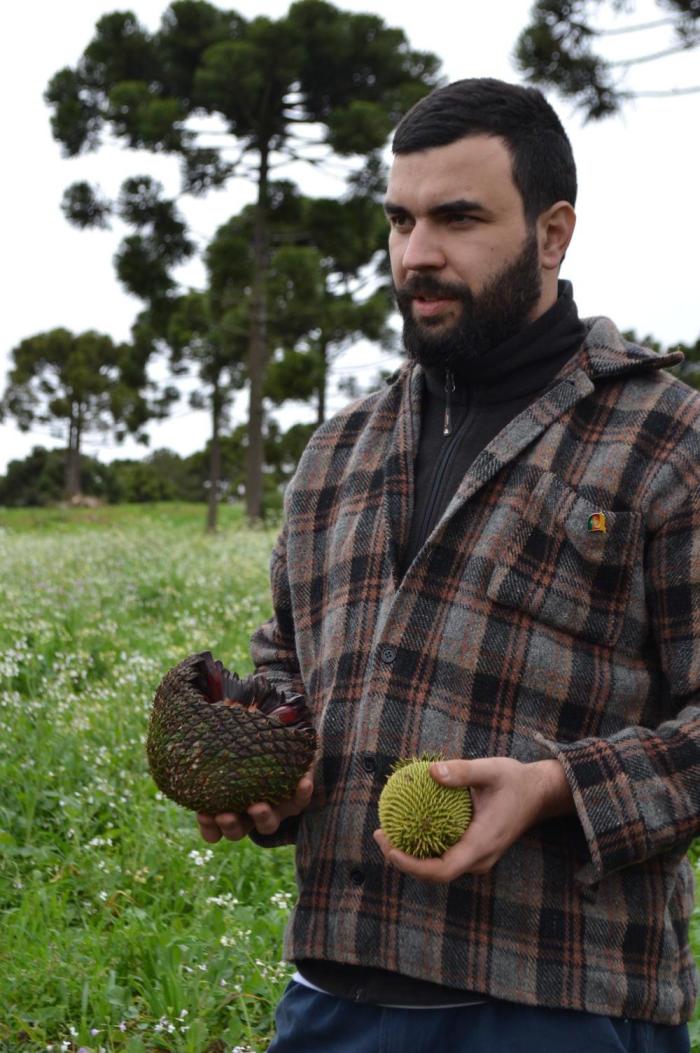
column 508, row 797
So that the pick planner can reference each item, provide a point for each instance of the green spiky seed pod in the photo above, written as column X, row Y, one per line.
column 419, row 815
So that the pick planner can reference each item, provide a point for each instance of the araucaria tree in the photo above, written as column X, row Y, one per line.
column 81, row 383
column 314, row 82
column 563, row 48
column 320, row 250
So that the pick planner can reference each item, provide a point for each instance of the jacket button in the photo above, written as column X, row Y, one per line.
column 388, row 655
column 357, row 876
column 369, row 763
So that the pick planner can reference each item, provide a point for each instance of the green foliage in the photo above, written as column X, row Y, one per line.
column 559, row 49
column 317, row 64
column 38, row 479
column 688, row 370
column 348, row 75
column 149, row 480
column 83, row 206
column 83, row 383
column 121, row 928
column 317, row 244
column 59, row 376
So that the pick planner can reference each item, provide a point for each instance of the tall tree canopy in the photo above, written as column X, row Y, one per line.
column 317, row 77
column 319, row 251
column 561, row 47
column 81, row 383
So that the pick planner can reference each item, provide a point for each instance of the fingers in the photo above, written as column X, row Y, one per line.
column 482, row 772
column 209, row 828
column 226, row 824
column 507, row 800
column 302, row 795
column 456, row 861
column 265, row 818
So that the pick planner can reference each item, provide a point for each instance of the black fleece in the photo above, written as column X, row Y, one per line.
column 488, row 393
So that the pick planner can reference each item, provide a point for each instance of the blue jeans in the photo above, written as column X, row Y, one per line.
column 310, row 1022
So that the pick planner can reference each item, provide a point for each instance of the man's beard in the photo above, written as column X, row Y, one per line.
column 486, row 319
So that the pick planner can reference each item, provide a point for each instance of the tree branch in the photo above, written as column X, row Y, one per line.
column 656, row 55
column 665, row 94
column 340, row 172
column 633, row 29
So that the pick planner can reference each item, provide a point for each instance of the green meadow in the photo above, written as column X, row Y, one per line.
column 121, row 929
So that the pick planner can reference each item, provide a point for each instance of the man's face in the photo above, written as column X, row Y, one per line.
column 465, row 264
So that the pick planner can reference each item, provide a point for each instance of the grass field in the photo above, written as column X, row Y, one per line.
column 122, row 930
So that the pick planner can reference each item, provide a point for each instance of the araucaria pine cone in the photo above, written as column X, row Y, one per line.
column 217, row 743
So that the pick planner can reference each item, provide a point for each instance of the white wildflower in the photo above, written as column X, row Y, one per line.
column 201, row 858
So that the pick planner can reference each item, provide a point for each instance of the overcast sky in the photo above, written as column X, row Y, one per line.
column 634, row 256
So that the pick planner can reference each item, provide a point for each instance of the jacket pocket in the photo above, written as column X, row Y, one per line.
column 570, row 564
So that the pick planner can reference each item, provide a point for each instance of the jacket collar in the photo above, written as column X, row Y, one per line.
column 606, row 353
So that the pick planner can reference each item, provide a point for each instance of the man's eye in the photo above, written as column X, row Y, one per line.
column 400, row 222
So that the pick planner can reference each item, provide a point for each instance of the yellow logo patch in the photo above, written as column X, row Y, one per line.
column 597, row 523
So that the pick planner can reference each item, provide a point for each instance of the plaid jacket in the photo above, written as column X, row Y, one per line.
column 519, row 630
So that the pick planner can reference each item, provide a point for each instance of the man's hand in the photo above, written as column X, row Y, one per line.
column 508, row 798
column 264, row 817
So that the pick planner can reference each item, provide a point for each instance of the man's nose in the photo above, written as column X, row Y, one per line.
column 422, row 250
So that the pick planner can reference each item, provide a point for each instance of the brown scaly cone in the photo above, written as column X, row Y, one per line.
column 217, row 743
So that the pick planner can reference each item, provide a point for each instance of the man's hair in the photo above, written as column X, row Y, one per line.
column 543, row 164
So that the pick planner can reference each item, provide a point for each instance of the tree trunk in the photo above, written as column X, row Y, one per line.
column 214, row 462
column 322, row 385
column 73, row 459
column 257, row 350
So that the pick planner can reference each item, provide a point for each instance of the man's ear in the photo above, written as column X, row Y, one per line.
column 555, row 228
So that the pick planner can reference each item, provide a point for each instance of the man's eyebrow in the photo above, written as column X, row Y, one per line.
column 446, row 208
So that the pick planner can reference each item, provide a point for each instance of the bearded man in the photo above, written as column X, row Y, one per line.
column 497, row 559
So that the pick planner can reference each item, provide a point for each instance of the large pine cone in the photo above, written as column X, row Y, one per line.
column 218, row 744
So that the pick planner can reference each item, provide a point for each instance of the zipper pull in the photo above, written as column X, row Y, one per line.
column 449, row 388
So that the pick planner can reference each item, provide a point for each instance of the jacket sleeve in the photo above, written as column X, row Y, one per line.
column 274, row 655
column 272, row 646
column 637, row 793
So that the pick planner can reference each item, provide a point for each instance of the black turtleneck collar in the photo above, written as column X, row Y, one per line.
column 519, row 366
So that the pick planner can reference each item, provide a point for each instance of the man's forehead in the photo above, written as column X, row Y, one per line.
column 475, row 167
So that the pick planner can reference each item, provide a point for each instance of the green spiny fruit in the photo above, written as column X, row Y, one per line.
column 216, row 743
column 419, row 815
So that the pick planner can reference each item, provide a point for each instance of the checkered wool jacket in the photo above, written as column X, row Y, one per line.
column 517, row 631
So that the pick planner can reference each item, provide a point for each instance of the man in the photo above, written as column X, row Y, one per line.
column 497, row 558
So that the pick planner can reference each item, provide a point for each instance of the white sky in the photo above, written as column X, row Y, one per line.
column 634, row 255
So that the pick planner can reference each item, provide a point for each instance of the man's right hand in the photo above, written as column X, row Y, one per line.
column 265, row 818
